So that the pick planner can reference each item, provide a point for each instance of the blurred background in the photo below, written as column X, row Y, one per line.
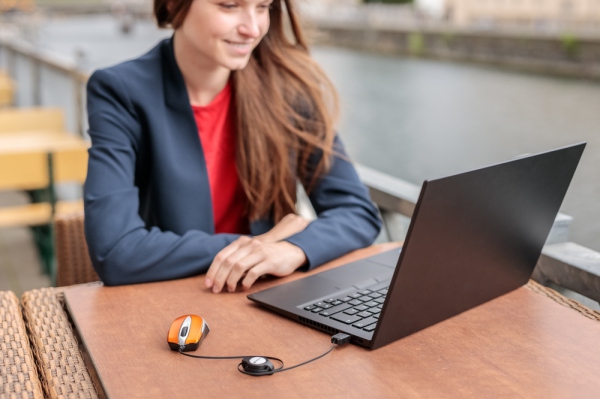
column 428, row 88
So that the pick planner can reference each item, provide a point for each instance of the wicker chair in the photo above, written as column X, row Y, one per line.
column 18, row 374
column 62, row 368
column 73, row 261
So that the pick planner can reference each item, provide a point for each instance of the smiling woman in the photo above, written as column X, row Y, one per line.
column 220, row 35
column 197, row 147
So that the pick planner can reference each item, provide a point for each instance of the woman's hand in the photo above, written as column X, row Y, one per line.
column 248, row 258
column 287, row 227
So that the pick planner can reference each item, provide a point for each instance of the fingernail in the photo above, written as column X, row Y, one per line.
column 215, row 290
column 208, row 283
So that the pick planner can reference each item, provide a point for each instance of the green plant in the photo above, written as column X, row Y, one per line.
column 570, row 44
column 416, row 43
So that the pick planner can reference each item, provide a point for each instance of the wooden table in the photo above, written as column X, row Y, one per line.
column 39, row 140
column 37, row 160
column 519, row 345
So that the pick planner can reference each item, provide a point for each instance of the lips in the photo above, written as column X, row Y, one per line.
column 239, row 48
column 238, row 44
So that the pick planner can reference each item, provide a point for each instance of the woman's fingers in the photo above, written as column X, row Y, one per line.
column 281, row 259
column 221, row 257
column 241, row 267
column 236, row 263
column 253, row 274
column 249, row 259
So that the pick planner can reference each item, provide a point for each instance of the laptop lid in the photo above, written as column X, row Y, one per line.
column 473, row 237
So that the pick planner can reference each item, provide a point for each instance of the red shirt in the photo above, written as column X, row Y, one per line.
column 217, row 134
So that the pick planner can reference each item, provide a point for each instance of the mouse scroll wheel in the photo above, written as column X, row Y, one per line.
column 184, row 331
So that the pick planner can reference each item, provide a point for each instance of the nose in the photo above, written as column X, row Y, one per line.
column 249, row 25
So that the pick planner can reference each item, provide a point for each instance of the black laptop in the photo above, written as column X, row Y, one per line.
column 473, row 237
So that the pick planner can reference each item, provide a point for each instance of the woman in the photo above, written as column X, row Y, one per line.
column 197, row 147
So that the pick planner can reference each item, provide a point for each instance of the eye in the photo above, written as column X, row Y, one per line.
column 266, row 6
column 228, row 5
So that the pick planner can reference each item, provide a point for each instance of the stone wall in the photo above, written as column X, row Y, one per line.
column 567, row 55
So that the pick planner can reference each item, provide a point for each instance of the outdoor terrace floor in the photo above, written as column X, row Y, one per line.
column 20, row 268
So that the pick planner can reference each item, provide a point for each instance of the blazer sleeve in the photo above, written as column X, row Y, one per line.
column 122, row 249
column 347, row 218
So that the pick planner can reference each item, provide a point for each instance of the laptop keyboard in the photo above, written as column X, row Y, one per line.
column 359, row 309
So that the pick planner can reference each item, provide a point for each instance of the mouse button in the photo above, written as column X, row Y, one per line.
column 173, row 335
column 205, row 327
column 183, row 335
column 195, row 331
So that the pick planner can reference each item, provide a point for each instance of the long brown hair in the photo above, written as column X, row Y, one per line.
column 286, row 109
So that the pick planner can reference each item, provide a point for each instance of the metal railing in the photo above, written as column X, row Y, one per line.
column 44, row 79
column 563, row 263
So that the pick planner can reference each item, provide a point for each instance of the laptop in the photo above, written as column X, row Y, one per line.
column 473, row 237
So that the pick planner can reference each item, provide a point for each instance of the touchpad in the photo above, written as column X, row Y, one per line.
column 356, row 272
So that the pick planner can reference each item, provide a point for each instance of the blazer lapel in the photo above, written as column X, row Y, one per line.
column 182, row 124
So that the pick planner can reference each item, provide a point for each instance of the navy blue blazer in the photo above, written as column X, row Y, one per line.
column 148, row 211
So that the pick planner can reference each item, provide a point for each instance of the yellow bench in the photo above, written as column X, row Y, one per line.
column 28, row 119
column 32, row 171
column 38, row 172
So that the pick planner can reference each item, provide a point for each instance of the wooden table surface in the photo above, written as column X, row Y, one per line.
column 39, row 140
column 519, row 345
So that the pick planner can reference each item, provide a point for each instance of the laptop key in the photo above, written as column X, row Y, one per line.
column 316, row 310
column 355, row 302
column 345, row 299
column 383, row 291
column 370, row 304
column 326, row 306
column 351, row 311
column 380, row 300
column 310, row 307
column 326, row 313
column 329, row 300
column 346, row 319
column 360, row 308
column 364, row 292
column 337, row 309
column 370, row 327
column 376, row 315
column 364, row 298
column 365, row 322
column 364, row 314
column 354, row 295
column 336, row 302
column 375, row 295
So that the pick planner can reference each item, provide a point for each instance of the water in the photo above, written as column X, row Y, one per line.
column 418, row 119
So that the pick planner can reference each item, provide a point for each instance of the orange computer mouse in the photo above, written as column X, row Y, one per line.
column 187, row 332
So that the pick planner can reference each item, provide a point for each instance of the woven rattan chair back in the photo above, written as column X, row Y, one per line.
column 18, row 375
column 73, row 260
column 60, row 363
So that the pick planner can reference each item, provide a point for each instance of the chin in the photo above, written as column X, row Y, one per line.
column 236, row 64
column 238, row 67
